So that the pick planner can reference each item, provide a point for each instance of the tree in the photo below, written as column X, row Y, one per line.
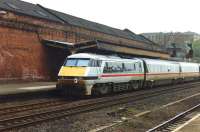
column 196, row 48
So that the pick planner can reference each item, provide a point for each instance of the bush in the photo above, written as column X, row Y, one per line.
column 196, row 48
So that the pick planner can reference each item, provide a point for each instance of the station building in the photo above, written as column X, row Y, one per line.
column 35, row 40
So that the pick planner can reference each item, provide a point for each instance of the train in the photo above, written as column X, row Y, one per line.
column 93, row 74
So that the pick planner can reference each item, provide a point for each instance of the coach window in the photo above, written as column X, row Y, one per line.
column 105, row 69
column 140, row 67
column 92, row 63
column 99, row 63
column 150, row 68
column 168, row 68
column 111, row 67
column 123, row 67
column 134, row 67
column 117, row 67
column 95, row 63
column 137, row 66
column 129, row 67
column 162, row 69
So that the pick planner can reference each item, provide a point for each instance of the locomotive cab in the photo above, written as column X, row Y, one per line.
column 78, row 73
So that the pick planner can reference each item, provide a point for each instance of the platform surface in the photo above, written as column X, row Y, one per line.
column 193, row 125
column 16, row 88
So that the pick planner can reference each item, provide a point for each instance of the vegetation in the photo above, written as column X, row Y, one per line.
column 196, row 48
column 196, row 51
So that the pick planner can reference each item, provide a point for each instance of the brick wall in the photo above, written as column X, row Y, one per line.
column 21, row 55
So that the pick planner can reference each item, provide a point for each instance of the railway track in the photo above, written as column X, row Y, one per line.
column 45, row 112
column 31, row 106
column 172, row 123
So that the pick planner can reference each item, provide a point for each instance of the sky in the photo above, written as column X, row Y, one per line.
column 140, row 16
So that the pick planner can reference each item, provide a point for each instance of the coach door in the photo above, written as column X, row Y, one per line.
column 199, row 71
column 95, row 67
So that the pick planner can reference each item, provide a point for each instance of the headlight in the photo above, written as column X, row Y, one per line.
column 75, row 80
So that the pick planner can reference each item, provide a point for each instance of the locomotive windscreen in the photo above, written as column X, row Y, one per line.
column 77, row 62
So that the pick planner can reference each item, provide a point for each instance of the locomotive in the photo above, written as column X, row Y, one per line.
column 92, row 74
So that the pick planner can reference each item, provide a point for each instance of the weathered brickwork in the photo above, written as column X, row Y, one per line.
column 21, row 55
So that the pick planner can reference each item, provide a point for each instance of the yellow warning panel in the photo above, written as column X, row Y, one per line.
column 72, row 71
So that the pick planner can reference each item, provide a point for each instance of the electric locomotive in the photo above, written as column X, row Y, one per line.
column 97, row 74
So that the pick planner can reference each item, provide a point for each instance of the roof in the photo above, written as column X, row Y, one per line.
column 93, row 56
column 58, row 44
column 76, row 21
column 109, row 47
column 159, row 61
column 101, row 57
column 39, row 11
column 100, row 43
column 105, row 47
column 27, row 9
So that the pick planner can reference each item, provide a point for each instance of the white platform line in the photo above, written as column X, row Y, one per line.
column 142, row 113
column 181, row 100
column 38, row 87
column 102, row 127
column 186, row 123
column 166, row 105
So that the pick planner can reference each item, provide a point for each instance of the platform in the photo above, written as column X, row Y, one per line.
column 193, row 125
column 16, row 88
